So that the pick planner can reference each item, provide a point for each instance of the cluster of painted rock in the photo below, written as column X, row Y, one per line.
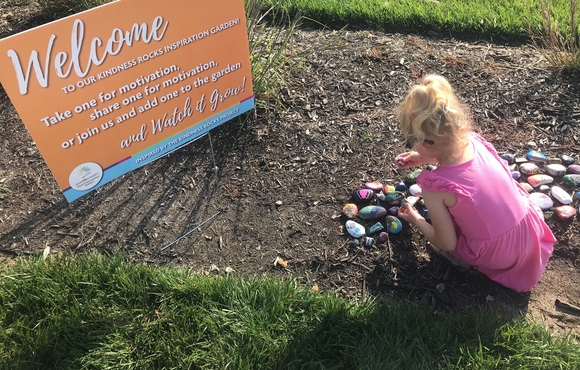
column 372, row 211
column 551, row 182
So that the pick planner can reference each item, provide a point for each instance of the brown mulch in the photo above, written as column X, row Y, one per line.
column 285, row 176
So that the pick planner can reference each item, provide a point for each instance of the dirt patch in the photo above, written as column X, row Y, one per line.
column 284, row 178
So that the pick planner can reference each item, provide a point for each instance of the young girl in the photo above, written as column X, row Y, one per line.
column 480, row 216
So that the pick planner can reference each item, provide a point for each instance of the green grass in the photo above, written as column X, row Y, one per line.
column 92, row 312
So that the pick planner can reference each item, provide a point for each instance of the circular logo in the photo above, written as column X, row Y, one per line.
column 85, row 176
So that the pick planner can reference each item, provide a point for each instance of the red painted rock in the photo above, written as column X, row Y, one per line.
column 537, row 180
column 374, row 185
column 565, row 212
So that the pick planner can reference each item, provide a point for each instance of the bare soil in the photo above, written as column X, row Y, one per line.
column 285, row 175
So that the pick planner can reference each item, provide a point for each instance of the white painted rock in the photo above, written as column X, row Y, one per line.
column 355, row 229
column 541, row 200
column 561, row 195
column 416, row 190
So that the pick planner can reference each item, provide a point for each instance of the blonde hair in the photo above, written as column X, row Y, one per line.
column 432, row 109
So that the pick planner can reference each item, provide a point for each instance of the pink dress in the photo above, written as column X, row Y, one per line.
column 499, row 230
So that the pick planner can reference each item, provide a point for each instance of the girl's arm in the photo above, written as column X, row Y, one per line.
column 412, row 159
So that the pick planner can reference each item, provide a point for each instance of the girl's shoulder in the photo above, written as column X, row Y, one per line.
column 429, row 180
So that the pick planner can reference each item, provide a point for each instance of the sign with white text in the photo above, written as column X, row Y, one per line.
column 108, row 90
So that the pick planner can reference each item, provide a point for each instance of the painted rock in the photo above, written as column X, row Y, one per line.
column 376, row 228
column 521, row 160
column 400, row 186
column 383, row 237
column 572, row 180
column 368, row 242
column 374, row 185
column 394, row 225
column 381, row 196
column 355, row 229
column 535, row 156
column 561, row 195
column 371, row 212
column 548, row 215
column 363, row 195
column 416, row 190
column 574, row 169
column 567, row 160
column 393, row 211
column 529, row 169
column 395, row 198
column 389, row 189
column 420, row 203
column 430, row 167
column 544, row 188
column 425, row 214
column 541, row 200
column 412, row 177
column 565, row 212
column 554, row 161
column 537, row 180
column 354, row 243
column 411, row 199
column 555, row 170
column 510, row 158
column 527, row 187
column 350, row 210
column 516, row 175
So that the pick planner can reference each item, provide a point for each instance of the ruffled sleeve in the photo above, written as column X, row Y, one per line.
column 428, row 180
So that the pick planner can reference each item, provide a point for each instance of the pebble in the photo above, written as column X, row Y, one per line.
column 400, row 186
column 510, row 158
column 554, row 161
column 567, row 160
column 572, row 180
column 368, row 242
column 529, row 169
column 355, row 229
column 416, row 190
column 521, row 160
column 412, row 177
column 561, row 195
column 374, row 185
column 537, row 180
column 555, row 170
column 574, row 169
column 350, row 210
column 516, row 175
column 536, row 156
column 381, row 196
column 363, row 195
column 544, row 188
column 372, row 212
column 430, row 167
column 425, row 214
column 393, row 211
column 394, row 225
column 383, row 237
column 548, row 215
column 376, row 228
column 354, row 243
column 565, row 212
column 541, row 200
column 527, row 187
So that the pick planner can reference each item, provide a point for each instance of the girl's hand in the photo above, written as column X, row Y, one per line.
column 412, row 159
column 409, row 214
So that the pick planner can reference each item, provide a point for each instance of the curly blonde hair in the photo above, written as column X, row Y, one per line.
column 431, row 108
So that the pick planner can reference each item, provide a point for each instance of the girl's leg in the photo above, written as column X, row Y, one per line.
column 450, row 257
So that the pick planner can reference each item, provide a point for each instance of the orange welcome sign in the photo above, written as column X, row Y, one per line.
column 108, row 90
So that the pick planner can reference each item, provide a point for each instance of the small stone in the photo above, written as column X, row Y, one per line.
column 561, row 195
column 574, row 169
column 544, row 188
column 372, row 212
column 489, row 298
column 394, row 225
column 440, row 287
column 368, row 242
column 430, row 167
column 278, row 203
column 555, row 170
column 572, row 180
column 541, row 200
column 567, row 160
column 355, row 229
column 516, row 175
column 532, row 144
column 383, row 237
column 412, row 177
column 548, row 215
column 527, row 187
column 401, row 186
column 521, row 160
column 354, row 243
column 374, row 185
column 350, row 210
column 416, row 190
column 510, row 158
column 529, row 169
column 554, row 161
column 395, row 198
column 381, row 196
column 412, row 200
column 535, row 156
column 363, row 195
column 376, row 228
column 393, row 211
column 565, row 212
column 537, row 180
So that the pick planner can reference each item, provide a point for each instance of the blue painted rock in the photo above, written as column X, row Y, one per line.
column 374, row 185
column 527, row 187
column 541, row 200
column 425, row 214
column 535, row 156
column 574, row 169
column 572, row 180
column 368, row 242
column 529, row 169
column 363, row 195
column 567, row 160
column 510, row 158
column 561, row 195
column 393, row 211
column 376, row 228
column 412, row 177
column 355, row 229
column 371, row 212
column 416, row 190
column 516, row 175
column 395, row 198
column 565, row 212
column 400, row 186
column 383, row 237
column 537, row 180
column 350, row 210
column 553, row 161
column 555, row 170
column 394, row 225
column 381, row 196
column 548, row 215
